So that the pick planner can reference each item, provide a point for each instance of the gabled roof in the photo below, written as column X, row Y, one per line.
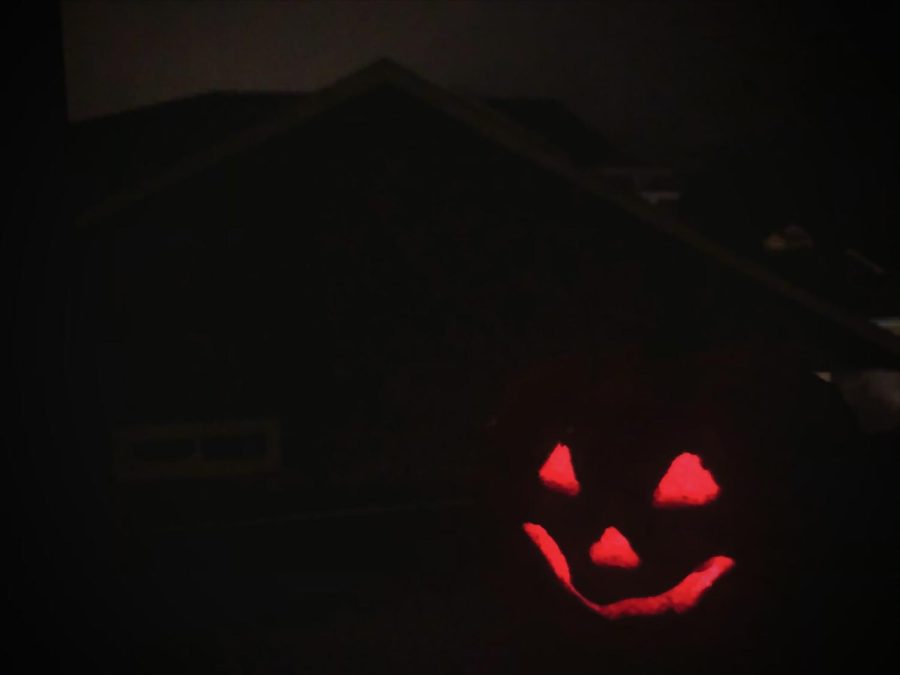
column 500, row 129
column 108, row 154
column 552, row 120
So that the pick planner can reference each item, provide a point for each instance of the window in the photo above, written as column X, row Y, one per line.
column 199, row 449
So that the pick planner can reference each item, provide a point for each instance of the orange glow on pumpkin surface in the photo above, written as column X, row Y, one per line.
column 557, row 472
column 686, row 483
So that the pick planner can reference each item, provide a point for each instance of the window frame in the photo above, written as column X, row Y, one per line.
column 129, row 467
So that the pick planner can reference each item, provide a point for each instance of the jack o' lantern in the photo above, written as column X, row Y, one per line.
column 685, row 483
column 685, row 501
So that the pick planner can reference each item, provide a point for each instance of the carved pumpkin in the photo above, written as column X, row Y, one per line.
column 685, row 483
column 678, row 503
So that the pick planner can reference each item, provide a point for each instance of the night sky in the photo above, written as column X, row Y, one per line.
column 678, row 83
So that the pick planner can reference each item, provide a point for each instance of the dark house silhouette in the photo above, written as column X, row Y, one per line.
column 326, row 275
column 294, row 303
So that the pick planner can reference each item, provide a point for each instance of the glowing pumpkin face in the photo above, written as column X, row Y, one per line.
column 686, row 483
column 701, row 509
column 635, row 494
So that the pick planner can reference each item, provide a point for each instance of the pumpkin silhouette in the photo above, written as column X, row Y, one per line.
column 693, row 513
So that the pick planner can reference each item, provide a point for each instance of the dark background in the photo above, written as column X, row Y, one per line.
column 826, row 75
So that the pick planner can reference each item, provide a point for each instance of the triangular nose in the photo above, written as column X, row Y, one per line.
column 613, row 550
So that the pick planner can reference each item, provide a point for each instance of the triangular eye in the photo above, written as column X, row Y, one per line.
column 557, row 472
column 686, row 483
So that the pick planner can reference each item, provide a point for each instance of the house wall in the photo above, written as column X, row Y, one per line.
column 371, row 280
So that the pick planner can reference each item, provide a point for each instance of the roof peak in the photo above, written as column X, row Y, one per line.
column 498, row 128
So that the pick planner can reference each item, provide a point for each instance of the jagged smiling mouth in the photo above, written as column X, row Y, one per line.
column 679, row 598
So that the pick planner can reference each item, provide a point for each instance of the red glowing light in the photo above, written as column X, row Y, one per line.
column 557, row 472
column 551, row 551
column 680, row 598
column 612, row 549
column 686, row 483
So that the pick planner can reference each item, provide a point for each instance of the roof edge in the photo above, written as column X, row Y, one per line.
column 497, row 127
